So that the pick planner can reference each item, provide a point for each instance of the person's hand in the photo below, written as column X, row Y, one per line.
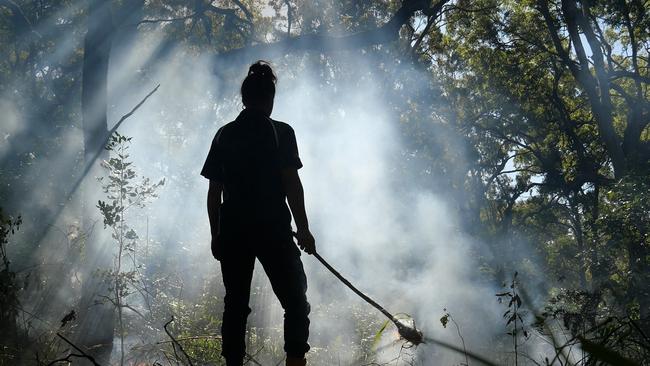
column 215, row 246
column 306, row 241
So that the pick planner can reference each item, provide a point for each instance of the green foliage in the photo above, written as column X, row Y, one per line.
column 513, row 315
column 546, row 166
column 604, row 354
column 490, row 114
column 123, row 194
column 379, row 333
column 121, row 190
column 444, row 320
column 198, row 322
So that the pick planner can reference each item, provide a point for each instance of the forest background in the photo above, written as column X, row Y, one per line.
column 480, row 165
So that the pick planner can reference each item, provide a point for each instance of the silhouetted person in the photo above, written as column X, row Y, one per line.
column 254, row 162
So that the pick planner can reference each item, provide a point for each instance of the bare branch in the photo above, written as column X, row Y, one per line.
column 191, row 339
column 67, row 359
column 627, row 74
column 167, row 20
column 130, row 113
column 83, row 354
column 425, row 31
column 175, row 342
column 200, row 13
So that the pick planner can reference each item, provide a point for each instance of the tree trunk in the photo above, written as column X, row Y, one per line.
column 97, row 48
column 597, row 88
column 127, row 17
column 96, row 318
column 638, row 288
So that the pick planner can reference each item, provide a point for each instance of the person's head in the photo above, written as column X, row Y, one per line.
column 258, row 89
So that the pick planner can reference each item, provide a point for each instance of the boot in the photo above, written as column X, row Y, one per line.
column 295, row 361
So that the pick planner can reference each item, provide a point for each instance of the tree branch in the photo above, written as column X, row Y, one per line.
column 200, row 12
column 82, row 176
column 326, row 43
column 67, row 359
column 117, row 125
column 542, row 7
column 227, row 13
column 289, row 17
column 601, row 108
column 166, row 20
column 83, row 354
column 245, row 10
column 193, row 338
column 627, row 74
column 175, row 342
column 425, row 31
column 19, row 19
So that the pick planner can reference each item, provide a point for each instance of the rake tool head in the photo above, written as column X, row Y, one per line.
column 410, row 334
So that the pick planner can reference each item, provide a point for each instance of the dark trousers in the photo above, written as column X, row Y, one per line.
column 281, row 262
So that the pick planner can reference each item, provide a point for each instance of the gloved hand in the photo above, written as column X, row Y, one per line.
column 306, row 241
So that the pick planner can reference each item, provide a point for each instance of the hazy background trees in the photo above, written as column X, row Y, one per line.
column 529, row 117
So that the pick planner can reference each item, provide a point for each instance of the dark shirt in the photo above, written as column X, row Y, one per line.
column 247, row 156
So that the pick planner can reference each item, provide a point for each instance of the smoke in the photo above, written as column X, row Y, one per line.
column 394, row 240
column 12, row 125
column 397, row 241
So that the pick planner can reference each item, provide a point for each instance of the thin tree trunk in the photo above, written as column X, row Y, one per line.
column 97, row 48
column 96, row 319
column 596, row 88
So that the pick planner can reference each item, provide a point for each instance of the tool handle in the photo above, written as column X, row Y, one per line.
column 356, row 291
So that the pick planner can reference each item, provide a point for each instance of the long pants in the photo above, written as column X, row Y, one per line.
column 281, row 262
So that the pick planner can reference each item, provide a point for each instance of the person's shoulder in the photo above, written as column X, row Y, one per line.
column 223, row 130
column 282, row 127
column 228, row 126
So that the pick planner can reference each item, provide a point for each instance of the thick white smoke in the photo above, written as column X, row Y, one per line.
column 399, row 244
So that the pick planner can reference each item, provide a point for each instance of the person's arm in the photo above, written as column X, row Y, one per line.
column 296, row 200
column 214, row 202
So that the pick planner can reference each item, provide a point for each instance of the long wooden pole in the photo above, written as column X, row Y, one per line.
column 411, row 334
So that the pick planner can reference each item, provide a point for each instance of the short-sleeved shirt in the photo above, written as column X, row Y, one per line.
column 247, row 156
